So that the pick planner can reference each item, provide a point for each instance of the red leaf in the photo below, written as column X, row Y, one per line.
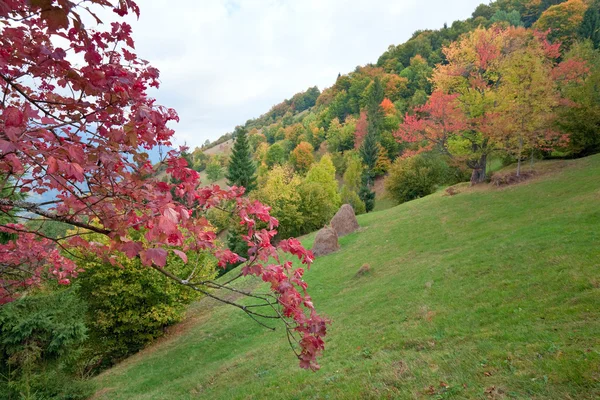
column 12, row 116
column 181, row 255
column 56, row 18
column 52, row 165
column 154, row 256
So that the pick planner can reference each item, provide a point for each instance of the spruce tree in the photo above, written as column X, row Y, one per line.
column 369, row 150
column 241, row 170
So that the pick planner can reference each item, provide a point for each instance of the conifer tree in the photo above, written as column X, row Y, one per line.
column 369, row 150
column 241, row 170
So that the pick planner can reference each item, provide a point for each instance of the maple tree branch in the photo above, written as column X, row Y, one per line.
column 35, row 208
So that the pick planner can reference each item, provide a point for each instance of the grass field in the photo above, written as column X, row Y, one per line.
column 493, row 293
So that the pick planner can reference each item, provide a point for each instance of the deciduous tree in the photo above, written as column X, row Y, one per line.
column 302, row 157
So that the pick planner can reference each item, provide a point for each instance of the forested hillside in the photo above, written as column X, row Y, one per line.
column 518, row 80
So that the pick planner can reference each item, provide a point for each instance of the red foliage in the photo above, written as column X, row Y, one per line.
column 570, row 70
column 79, row 131
column 433, row 123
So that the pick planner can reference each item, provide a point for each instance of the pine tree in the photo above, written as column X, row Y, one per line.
column 369, row 150
column 375, row 112
column 242, row 170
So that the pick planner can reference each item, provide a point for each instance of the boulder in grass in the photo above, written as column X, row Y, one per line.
column 326, row 242
column 344, row 221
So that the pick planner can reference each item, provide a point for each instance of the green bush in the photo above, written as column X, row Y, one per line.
column 129, row 306
column 316, row 206
column 41, row 336
column 416, row 177
column 352, row 198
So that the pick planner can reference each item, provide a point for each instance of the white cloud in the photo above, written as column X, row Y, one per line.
column 225, row 61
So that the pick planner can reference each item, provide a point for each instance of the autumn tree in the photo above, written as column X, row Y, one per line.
column 579, row 117
column 360, row 130
column 76, row 123
column 302, row 157
column 438, row 123
column 563, row 21
column 242, row 170
column 470, row 75
column 527, row 100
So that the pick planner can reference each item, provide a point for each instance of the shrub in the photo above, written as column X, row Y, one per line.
column 415, row 177
column 40, row 337
column 316, row 206
column 129, row 307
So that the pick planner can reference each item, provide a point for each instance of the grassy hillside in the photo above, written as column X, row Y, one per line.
column 493, row 293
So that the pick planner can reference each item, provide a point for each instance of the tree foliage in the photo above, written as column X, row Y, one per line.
column 128, row 307
column 590, row 26
column 302, row 157
column 415, row 177
column 563, row 21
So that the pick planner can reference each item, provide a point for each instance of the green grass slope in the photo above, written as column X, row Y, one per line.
column 493, row 293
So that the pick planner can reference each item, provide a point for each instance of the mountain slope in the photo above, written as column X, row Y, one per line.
column 492, row 293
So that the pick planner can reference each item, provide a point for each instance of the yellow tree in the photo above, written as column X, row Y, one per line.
column 302, row 157
column 562, row 21
column 527, row 98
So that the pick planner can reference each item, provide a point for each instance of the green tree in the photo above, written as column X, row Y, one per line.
column 353, row 174
column 590, row 26
column 369, row 152
column 319, row 195
column 280, row 192
column 323, row 173
column 40, row 336
column 242, row 170
column 351, row 197
column 415, row 177
column 275, row 155
column 512, row 18
column 366, row 195
column 214, row 171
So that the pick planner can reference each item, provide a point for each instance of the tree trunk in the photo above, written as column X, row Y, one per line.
column 479, row 171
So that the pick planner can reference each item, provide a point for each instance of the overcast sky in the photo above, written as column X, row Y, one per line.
column 223, row 62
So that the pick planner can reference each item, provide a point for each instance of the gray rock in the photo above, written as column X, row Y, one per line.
column 326, row 242
column 344, row 221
